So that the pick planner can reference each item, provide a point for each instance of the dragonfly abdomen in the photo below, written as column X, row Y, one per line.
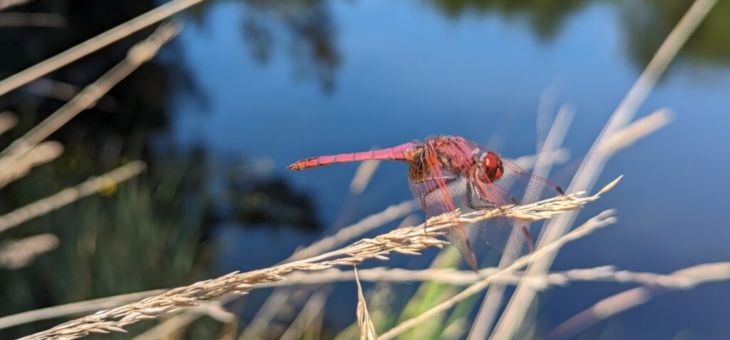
column 403, row 152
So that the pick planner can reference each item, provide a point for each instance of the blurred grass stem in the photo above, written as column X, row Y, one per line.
column 407, row 241
column 70, row 195
column 597, row 157
column 608, row 307
column 601, row 220
column 100, row 41
column 137, row 55
column 492, row 303
column 397, row 275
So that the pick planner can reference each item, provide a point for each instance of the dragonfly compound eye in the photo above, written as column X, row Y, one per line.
column 492, row 168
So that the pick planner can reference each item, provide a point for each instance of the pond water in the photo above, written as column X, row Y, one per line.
column 277, row 82
column 403, row 70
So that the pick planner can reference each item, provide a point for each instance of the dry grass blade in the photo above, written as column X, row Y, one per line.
column 493, row 301
column 553, row 157
column 365, row 225
column 367, row 329
column 637, row 130
column 69, row 195
column 362, row 176
column 87, row 47
column 73, row 308
column 310, row 312
column 16, row 254
column 137, row 55
column 32, row 20
column 162, row 330
column 626, row 300
column 278, row 298
column 462, row 278
column 395, row 275
column 597, row 158
column 593, row 224
column 5, row 4
column 8, row 120
column 213, row 309
column 408, row 240
column 64, row 92
column 41, row 154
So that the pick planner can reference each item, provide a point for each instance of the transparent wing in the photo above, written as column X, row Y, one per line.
column 436, row 190
column 517, row 185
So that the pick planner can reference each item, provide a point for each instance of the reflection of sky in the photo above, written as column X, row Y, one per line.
column 408, row 73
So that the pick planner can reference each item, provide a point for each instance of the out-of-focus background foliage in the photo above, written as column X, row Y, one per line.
column 251, row 86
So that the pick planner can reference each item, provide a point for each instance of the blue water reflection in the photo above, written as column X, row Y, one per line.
column 407, row 72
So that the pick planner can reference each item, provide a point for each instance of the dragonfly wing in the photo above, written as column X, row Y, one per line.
column 440, row 191
column 508, row 236
column 515, row 186
column 519, row 186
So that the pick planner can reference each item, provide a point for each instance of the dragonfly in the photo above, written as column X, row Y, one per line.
column 447, row 173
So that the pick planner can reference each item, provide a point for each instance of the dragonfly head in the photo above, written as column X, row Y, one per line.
column 490, row 167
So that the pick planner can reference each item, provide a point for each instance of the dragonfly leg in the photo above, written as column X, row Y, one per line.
column 447, row 181
column 469, row 199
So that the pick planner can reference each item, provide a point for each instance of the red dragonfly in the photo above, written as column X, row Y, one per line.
column 449, row 172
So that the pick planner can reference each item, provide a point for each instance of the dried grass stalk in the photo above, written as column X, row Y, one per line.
column 87, row 47
column 278, row 298
column 363, row 226
column 637, row 130
column 70, row 195
column 16, row 254
column 409, row 241
column 311, row 311
column 74, row 308
column 41, row 154
column 493, row 301
column 363, row 174
column 593, row 224
column 64, row 92
column 608, row 307
column 5, row 4
column 8, row 120
column 367, row 329
column 597, row 158
column 137, row 55
column 462, row 277
column 397, row 275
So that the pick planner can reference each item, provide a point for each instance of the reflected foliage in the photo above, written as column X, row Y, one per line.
column 302, row 30
column 256, row 198
column 648, row 22
column 273, row 202
column 544, row 16
column 305, row 30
